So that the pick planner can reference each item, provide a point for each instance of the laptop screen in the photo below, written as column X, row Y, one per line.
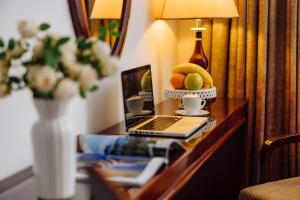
column 137, row 94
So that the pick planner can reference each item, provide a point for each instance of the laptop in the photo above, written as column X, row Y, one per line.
column 140, row 117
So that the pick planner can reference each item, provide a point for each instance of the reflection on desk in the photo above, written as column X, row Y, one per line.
column 27, row 191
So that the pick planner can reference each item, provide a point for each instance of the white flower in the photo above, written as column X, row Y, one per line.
column 4, row 90
column 37, row 49
column 45, row 79
column 68, row 58
column 42, row 78
column 68, row 51
column 72, row 69
column 101, row 49
column 27, row 29
column 4, row 66
column 17, row 51
column 65, row 89
column 31, row 74
column 68, row 47
column 88, row 77
column 110, row 65
column 92, row 39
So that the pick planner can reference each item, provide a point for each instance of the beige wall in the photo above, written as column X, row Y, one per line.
column 185, row 42
column 146, row 43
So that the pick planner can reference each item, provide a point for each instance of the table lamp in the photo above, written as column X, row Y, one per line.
column 195, row 9
column 107, row 9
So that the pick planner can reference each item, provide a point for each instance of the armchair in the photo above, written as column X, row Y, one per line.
column 285, row 189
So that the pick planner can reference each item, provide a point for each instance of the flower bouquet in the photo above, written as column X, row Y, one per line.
column 55, row 69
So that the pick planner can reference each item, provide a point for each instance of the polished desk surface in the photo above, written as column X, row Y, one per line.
column 227, row 114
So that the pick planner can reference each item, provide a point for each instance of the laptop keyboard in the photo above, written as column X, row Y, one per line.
column 160, row 123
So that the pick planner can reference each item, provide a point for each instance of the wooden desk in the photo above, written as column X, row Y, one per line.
column 213, row 166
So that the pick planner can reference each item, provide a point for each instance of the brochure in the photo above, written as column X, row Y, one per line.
column 125, row 160
column 124, row 170
column 126, row 145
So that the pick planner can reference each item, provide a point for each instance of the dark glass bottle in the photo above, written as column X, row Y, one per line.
column 199, row 56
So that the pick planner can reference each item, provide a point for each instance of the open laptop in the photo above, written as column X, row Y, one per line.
column 140, row 117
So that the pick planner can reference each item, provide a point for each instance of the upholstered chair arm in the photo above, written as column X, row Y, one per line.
column 268, row 148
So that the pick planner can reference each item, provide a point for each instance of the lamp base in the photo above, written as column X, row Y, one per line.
column 198, row 57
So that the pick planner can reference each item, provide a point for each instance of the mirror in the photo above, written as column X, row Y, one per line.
column 91, row 18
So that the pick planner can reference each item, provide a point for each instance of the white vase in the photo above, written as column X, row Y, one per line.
column 54, row 151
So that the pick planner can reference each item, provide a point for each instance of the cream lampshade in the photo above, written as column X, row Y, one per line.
column 107, row 9
column 195, row 9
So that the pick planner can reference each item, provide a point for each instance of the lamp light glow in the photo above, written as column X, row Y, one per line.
column 107, row 9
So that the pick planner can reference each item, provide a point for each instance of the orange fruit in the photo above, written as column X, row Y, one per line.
column 177, row 80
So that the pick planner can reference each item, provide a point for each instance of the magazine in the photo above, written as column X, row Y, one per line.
column 126, row 145
column 126, row 160
column 125, row 170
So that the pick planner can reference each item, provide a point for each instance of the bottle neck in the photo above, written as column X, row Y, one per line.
column 198, row 35
column 198, row 43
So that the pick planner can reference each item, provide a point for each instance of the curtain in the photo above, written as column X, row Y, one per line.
column 256, row 57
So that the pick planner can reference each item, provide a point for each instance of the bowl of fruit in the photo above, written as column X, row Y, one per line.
column 189, row 78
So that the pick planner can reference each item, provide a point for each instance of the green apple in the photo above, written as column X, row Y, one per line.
column 193, row 81
column 146, row 82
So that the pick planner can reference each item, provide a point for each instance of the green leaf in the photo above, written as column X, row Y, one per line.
column 98, row 68
column 28, row 63
column 83, row 45
column 25, row 78
column 1, row 43
column 93, row 88
column 62, row 41
column 15, row 83
column 82, row 93
column 113, row 24
column 102, row 33
column 50, row 54
column 14, row 79
column 2, row 55
column 52, row 57
column 11, row 44
column 44, row 26
column 42, row 95
column 48, row 43
column 84, row 59
column 116, row 34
